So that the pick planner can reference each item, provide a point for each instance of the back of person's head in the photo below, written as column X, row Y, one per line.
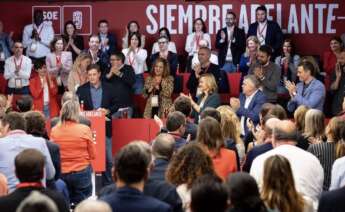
column 39, row 64
column 299, row 116
column 244, row 192
column 70, row 111
column 3, row 185
column 69, row 95
column 37, row 202
column 24, row 104
column 265, row 108
column 35, row 123
column 3, row 101
column 338, row 131
column 314, row 123
column 210, row 134
column 278, row 111
column 29, row 165
column 90, row 205
column 14, row 121
column 270, row 122
column 284, row 131
column 163, row 146
column 131, row 163
column 208, row 194
column 230, row 125
column 190, row 162
column 183, row 104
column 175, row 121
column 278, row 190
column 211, row 112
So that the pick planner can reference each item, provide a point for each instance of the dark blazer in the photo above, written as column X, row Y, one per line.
column 111, row 43
column 109, row 101
column 10, row 202
column 78, row 42
column 274, row 35
column 103, row 61
column 128, row 199
column 213, row 101
column 253, row 153
column 253, row 109
column 238, row 45
column 158, row 171
column 332, row 201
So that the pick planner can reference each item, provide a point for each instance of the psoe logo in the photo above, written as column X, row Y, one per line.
column 81, row 15
column 52, row 14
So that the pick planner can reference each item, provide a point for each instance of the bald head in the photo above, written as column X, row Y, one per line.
column 163, row 146
column 92, row 206
column 284, row 131
column 270, row 124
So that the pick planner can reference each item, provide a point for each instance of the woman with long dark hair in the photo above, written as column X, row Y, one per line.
column 74, row 42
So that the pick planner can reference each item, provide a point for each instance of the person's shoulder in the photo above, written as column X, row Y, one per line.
column 333, row 196
column 47, row 24
column 83, row 86
column 28, row 27
column 155, row 204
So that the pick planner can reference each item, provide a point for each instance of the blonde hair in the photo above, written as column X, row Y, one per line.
column 81, row 57
column 70, row 111
column 210, row 82
column 299, row 116
column 230, row 124
column 314, row 124
column 255, row 40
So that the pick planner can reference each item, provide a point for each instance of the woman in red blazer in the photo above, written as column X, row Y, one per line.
column 41, row 83
column 330, row 58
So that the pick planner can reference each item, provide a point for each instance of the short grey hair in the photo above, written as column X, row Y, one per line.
column 37, row 200
column 69, row 95
column 89, row 205
column 253, row 80
column 70, row 111
column 163, row 146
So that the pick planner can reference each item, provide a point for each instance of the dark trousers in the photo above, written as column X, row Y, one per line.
column 20, row 91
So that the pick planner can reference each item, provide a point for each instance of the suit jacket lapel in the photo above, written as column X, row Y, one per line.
column 88, row 95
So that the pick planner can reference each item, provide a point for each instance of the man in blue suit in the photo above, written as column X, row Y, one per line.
column 309, row 91
column 249, row 104
column 268, row 32
column 131, row 169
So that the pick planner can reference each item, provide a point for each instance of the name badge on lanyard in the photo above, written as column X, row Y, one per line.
column 154, row 101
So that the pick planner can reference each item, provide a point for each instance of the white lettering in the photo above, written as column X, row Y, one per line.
column 170, row 17
column 307, row 18
column 243, row 19
column 153, row 28
column 184, row 17
column 331, row 18
column 269, row 7
column 161, row 15
column 320, row 8
column 293, row 20
column 225, row 9
column 213, row 19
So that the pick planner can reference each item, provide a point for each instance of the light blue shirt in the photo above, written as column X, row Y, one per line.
column 15, row 142
column 338, row 174
column 96, row 96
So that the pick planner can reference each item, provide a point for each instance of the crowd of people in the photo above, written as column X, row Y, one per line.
column 278, row 146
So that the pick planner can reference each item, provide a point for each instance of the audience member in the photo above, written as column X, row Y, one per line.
column 248, row 58
column 24, row 104
column 77, row 151
column 74, row 42
column 299, row 118
column 136, row 57
column 122, row 78
column 29, row 169
column 309, row 91
column 330, row 56
column 171, row 47
column 332, row 201
column 208, row 194
column 37, row 202
column 268, row 32
column 326, row 151
column 244, row 193
column 13, row 126
column 89, row 205
column 184, row 105
column 59, row 62
column 98, row 56
column 44, row 90
column 78, row 74
column 132, row 27
column 18, row 71
column 249, row 104
column 37, row 37
column 189, row 163
column 107, row 39
column 207, row 95
column 97, row 95
column 211, row 112
column 278, row 189
column 338, row 84
column 175, row 125
column 213, row 57
column 205, row 67
column 278, row 111
column 338, row 176
column 6, row 45
column 210, row 136
column 158, row 89
column 199, row 32
column 230, row 42
column 314, row 128
column 130, row 176
column 267, row 72
column 5, row 103
column 308, row 175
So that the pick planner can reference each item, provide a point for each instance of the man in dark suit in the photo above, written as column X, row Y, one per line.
column 332, row 201
column 29, row 169
column 131, row 169
column 249, row 104
column 231, row 44
column 268, row 32
column 176, row 122
column 108, row 40
column 99, row 95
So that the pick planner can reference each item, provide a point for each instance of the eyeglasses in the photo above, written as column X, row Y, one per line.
column 162, row 42
column 18, row 47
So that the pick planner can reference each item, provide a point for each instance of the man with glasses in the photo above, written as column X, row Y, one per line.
column 17, row 71
column 230, row 42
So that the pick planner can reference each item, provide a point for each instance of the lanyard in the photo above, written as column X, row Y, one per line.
column 262, row 30
column 40, row 30
column 58, row 59
column 18, row 67
column 131, row 61
column 29, row 184
column 197, row 40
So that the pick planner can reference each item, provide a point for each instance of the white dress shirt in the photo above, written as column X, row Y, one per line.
column 45, row 91
column 246, row 105
column 230, row 35
column 67, row 63
column 338, row 174
column 171, row 47
column 46, row 33
column 24, row 73
column 191, row 46
column 137, row 60
column 306, row 169
column 213, row 59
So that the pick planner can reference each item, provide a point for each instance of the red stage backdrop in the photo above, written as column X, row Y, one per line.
column 311, row 24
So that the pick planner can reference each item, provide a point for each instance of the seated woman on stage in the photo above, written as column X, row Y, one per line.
column 75, row 43
column 132, row 27
column 164, row 32
column 158, row 89
column 249, row 57
column 207, row 95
